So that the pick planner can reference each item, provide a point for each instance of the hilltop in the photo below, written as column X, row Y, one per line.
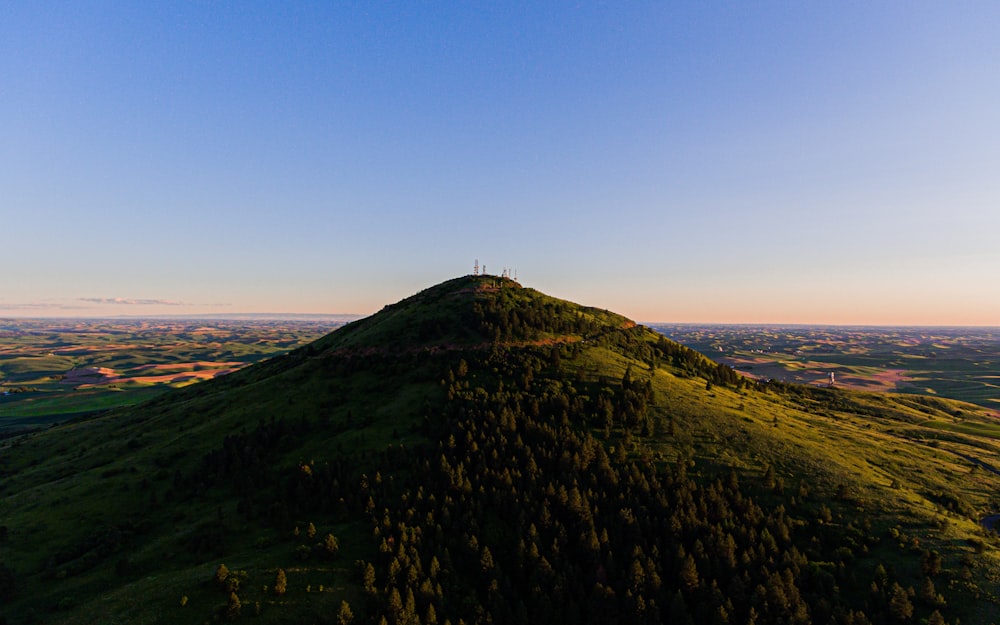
column 483, row 452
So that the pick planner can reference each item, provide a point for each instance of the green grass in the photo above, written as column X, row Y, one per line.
column 54, row 406
column 973, row 428
column 35, row 369
column 953, row 362
column 38, row 359
column 901, row 459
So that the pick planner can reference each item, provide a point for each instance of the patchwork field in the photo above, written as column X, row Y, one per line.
column 958, row 363
column 52, row 370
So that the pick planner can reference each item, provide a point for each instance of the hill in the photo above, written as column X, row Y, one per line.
column 482, row 452
column 52, row 370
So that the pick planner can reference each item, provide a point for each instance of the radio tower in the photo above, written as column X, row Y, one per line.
column 475, row 270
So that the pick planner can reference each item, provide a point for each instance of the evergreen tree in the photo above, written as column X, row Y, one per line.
column 394, row 606
column 221, row 574
column 689, row 573
column 900, row 606
column 368, row 579
column 233, row 607
column 344, row 614
column 678, row 611
column 331, row 546
column 930, row 564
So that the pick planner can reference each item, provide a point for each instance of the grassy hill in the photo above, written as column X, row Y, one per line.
column 481, row 452
column 52, row 370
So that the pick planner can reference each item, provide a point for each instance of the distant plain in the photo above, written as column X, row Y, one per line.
column 55, row 369
column 958, row 363
column 871, row 484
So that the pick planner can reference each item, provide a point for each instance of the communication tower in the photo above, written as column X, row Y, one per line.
column 475, row 269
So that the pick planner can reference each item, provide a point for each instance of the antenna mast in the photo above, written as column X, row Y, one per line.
column 475, row 269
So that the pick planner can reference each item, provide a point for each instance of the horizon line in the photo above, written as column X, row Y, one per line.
column 347, row 317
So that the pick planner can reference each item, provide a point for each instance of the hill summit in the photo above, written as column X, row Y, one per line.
column 481, row 452
column 472, row 310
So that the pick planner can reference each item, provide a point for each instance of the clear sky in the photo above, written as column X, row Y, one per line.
column 810, row 162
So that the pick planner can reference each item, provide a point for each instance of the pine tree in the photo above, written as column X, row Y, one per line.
column 394, row 605
column 900, row 607
column 486, row 560
column 280, row 582
column 678, row 611
column 233, row 607
column 368, row 579
column 344, row 614
column 689, row 574
column 221, row 574
column 330, row 545
column 770, row 478
column 930, row 564
column 928, row 594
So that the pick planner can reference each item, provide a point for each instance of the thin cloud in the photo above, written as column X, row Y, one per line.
column 126, row 301
column 38, row 306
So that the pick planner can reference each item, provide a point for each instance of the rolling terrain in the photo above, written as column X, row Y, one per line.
column 52, row 370
column 481, row 452
column 958, row 363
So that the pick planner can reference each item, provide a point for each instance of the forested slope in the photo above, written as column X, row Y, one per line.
column 483, row 453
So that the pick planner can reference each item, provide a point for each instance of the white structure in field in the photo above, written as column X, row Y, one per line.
column 833, row 378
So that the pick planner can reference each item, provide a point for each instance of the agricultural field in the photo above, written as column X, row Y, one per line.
column 288, row 489
column 957, row 363
column 55, row 369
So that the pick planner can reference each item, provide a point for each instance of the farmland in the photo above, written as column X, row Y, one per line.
column 957, row 363
column 55, row 369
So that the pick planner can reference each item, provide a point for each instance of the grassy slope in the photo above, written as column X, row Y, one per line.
column 69, row 481
column 893, row 460
column 40, row 359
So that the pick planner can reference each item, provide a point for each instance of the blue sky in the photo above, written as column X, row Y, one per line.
column 714, row 162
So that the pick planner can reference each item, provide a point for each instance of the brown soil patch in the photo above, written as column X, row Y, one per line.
column 169, row 378
column 186, row 366
column 817, row 374
column 886, row 381
column 89, row 376
column 176, row 378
